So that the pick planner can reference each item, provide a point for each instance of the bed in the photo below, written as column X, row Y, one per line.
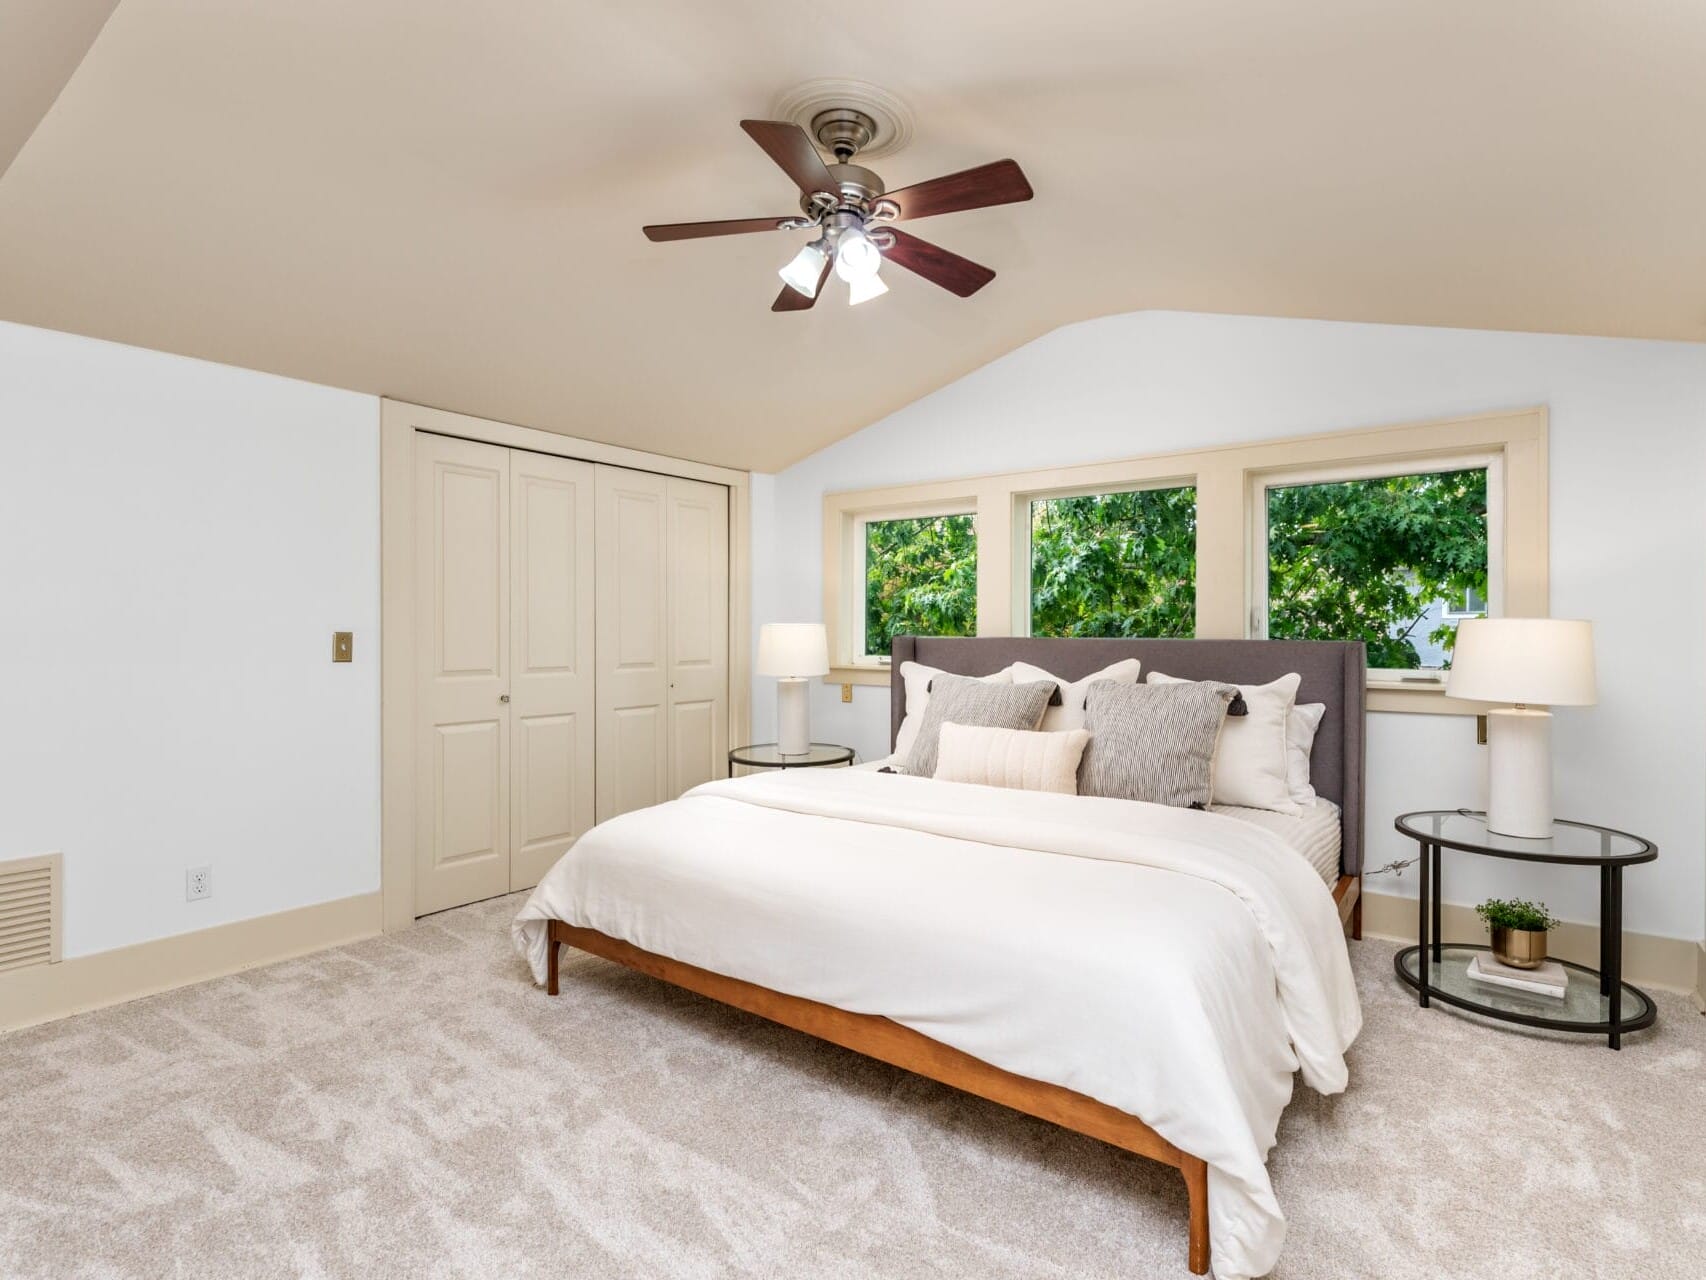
column 1151, row 977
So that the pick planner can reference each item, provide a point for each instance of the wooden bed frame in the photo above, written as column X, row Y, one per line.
column 890, row 1042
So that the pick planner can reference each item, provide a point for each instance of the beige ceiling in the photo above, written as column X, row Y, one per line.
column 441, row 200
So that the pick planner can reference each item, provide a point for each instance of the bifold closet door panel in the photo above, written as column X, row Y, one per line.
column 698, row 564
column 632, row 609
column 462, row 637
column 552, row 680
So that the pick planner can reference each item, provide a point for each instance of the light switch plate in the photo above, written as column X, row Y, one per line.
column 343, row 646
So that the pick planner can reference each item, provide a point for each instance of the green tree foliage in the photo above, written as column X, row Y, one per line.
column 920, row 579
column 1115, row 564
column 1365, row 559
column 1347, row 560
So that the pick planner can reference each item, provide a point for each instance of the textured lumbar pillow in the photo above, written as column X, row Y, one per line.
column 916, row 678
column 1251, row 767
column 1069, row 713
column 1046, row 761
column 975, row 702
column 1153, row 741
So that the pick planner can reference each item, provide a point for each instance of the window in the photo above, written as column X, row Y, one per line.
column 1471, row 604
column 1388, row 535
column 1114, row 564
column 1395, row 561
column 920, row 578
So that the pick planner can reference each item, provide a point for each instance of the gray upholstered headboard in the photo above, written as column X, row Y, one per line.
column 1333, row 672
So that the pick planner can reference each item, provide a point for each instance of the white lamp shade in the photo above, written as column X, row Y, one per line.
column 864, row 288
column 793, row 649
column 1545, row 662
column 802, row 271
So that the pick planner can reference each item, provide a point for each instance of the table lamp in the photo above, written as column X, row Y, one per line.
column 1532, row 664
column 793, row 652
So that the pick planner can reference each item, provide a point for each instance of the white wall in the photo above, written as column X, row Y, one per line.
column 178, row 541
column 1628, row 454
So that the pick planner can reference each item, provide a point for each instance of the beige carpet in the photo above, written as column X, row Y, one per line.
column 411, row 1106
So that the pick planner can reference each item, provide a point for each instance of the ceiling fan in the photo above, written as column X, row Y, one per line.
column 850, row 209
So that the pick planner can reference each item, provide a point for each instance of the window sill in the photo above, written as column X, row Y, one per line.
column 858, row 675
column 1418, row 699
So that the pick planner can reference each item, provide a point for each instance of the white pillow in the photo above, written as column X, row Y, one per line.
column 1251, row 764
column 1070, row 713
column 1300, row 730
column 1014, row 758
column 917, row 678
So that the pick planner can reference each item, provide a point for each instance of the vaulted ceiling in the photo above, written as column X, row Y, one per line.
column 441, row 201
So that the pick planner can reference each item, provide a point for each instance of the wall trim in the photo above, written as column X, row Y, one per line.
column 398, row 423
column 1669, row 964
column 50, row 991
column 1700, row 979
column 1226, row 478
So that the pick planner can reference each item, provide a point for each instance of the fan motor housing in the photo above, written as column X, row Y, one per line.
column 859, row 187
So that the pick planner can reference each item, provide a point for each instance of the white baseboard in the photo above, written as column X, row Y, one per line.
column 1671, row 964
column 48, row 991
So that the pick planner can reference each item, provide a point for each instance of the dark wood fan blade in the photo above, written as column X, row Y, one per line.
column 787, row 144
column 791, row 299
column 1000, row 183
column 694, row 230
column 938, row 266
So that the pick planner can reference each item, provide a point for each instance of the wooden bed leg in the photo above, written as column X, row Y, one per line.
column 1196, row 1186
column 1356, row 919
column 552, row 948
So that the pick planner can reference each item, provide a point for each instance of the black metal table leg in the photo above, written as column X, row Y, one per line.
column 1605, row 931
column 1422, row 912
column 1614, row 959
column 1439, row 893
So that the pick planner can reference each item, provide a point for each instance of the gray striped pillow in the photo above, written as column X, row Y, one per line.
column 979, row 703
column 1153, row 741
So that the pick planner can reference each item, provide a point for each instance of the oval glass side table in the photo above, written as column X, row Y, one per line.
column 1596, row 1001
column 764, row 755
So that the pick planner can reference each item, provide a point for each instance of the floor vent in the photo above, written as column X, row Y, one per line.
column 29, row 912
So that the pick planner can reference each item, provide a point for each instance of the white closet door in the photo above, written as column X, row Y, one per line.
column 551, row 660
column 633, row 639
column 698, row 564
column 462, row 775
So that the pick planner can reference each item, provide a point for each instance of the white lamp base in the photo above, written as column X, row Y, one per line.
column 1519, row 773
column 793, row 716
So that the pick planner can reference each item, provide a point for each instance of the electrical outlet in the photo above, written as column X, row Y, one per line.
column 198, row 883
column 847, row 693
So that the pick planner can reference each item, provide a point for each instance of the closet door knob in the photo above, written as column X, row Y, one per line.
column 503, row 697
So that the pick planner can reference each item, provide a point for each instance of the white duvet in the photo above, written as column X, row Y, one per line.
column 1175, row 964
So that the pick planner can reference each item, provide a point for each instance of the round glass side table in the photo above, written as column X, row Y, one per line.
column 1596, row 1001
column 764, row 755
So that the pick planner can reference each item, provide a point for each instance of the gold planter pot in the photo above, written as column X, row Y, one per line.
column 1519, row 948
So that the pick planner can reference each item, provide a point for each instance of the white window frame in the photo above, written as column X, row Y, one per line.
column 1224, row 478
column 1379, row 469
column 1023, row 550
column 856, row 577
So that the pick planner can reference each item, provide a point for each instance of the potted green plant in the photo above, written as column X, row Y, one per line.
column 1519, row 930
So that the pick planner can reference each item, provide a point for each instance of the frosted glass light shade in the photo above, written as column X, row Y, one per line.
column 802, row 272
column 864, row 288
column 1545, row 662
column 856, row 256
column 793, row 649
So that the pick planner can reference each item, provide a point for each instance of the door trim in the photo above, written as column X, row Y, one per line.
column 398, row 423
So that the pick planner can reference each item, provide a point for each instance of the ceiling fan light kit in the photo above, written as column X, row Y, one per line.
column 849, row 207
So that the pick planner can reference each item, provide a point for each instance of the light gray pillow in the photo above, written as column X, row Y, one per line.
column 979, row 703
column 1153, row 741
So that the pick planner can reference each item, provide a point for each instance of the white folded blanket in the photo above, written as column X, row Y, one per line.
column 1175, row 964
